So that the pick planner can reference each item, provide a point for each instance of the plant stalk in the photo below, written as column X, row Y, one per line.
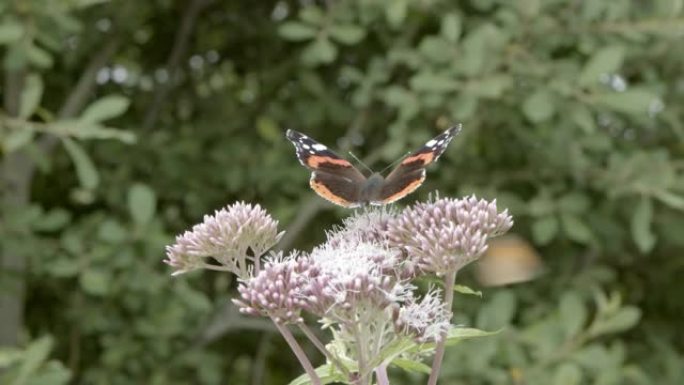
column 318, row 344
column 381, row 374
column 297, row 350
column 450, row 279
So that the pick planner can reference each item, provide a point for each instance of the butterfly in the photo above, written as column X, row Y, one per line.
column 338, row 181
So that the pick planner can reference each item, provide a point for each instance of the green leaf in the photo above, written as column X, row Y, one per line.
column 17, row 139
column 142, row 203
column 38, row 56
column 573, row 313
column 268, row 129
column 85, row 169
column 624, row 319
column 89, row 3
column 671, row 199
column 31, row 95
column 87, row 130
column 10, row 31
column 411, row 366
column 326, row 373
column 64, row 267
column 492, row 86
column 319, row 51
column 297, row 31
column 497, row 312
column 15, row 57
column 607, row 60
column 395, row 12
column 451, row 27
column 433, row 82
column 105, row 108
column 312, row 15
column 583, row 118
column 633, row 101
column 436, row 49
column 464, row 106
column 567, row 374
column 457, row 334
column 593, row 357
column 574, row 202
column 545, row 229
column 529, row 8
column 575, row 228
column 466, row 290
column 34, row 356
column 111, row 231
column 539, row 106
column 348, row 34
column 53, row 220
column 95, row 282
column 542, row 205
column 642, row 219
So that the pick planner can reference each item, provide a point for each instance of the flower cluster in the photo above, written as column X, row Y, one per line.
column 446, row 234
column 358, row 283
column 368, row 225
column 352, row 274
column 426, row 320
column 227, row 237
column 275, row 291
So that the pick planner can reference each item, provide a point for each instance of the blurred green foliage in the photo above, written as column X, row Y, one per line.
column 124, row 122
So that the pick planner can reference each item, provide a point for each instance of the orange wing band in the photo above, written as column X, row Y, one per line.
column 411, row 187
column 423, row 158
column 324, row 192
column 317, row 161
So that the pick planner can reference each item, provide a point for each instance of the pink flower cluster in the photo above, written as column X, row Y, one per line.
column 231, row 236
column 362, row 272
column 446, row 234
column 275, row 291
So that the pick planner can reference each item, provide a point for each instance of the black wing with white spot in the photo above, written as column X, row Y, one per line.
column 333, row 177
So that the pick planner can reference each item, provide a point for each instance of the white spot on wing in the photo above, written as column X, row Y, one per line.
column 431, row 143
column 319, row 147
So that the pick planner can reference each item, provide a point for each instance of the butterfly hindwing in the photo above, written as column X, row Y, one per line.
column 400, row 185
column 335, row 188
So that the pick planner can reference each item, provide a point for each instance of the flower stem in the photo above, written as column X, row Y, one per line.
column 360, row 346
column 450, row 278
column 297, row 350
column 381, row 374
column 318, row 344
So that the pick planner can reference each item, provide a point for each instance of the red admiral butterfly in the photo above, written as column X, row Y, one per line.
column 338, row 181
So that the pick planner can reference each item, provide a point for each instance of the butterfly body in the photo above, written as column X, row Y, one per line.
column 338, row 181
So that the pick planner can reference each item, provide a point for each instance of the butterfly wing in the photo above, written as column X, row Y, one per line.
column 332, row 177
column 410, row 173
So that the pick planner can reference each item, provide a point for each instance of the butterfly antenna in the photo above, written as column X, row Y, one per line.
column 394, row 163
column 361, row 162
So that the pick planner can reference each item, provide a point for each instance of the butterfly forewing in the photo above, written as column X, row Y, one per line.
column 333, row 178
column 336, row 189
column 317, row 157
column 410, row 173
